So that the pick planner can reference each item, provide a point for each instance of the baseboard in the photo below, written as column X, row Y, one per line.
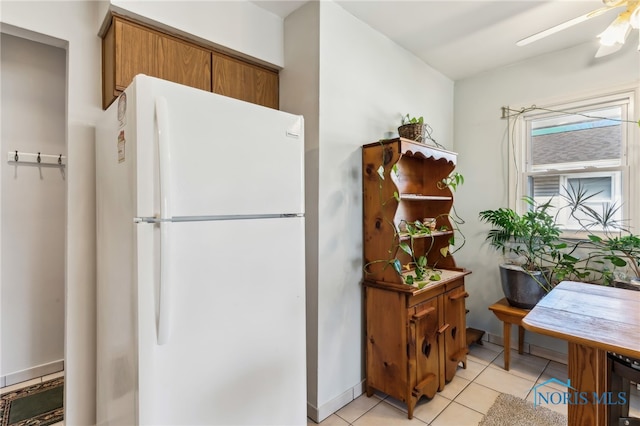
column 318, row 414
column 530, row 349
column 32, row 373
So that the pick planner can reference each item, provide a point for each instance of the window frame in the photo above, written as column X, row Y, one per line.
column 519, row 148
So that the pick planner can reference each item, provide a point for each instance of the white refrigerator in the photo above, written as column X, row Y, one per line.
column 200, row 260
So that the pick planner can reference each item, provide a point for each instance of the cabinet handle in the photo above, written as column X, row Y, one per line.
column 459, row 296
column 443, row 329
column 424, row 313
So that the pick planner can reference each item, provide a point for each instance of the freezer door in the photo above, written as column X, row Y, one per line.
column 225, row 156
column 234, row 352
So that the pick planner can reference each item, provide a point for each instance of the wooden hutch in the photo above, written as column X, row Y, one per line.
column 415, row 333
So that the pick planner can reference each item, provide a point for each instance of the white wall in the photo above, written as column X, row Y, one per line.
column 240, row 26
column 299, row 93
column 33, row 77
column 73, row 25
column 365, row 83
column 481, row 141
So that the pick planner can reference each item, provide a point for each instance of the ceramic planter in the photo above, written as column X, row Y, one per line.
column 520, row 287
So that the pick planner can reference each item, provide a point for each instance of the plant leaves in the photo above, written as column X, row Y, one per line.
column 381, row 172
column 406, row 248
column 397, row 266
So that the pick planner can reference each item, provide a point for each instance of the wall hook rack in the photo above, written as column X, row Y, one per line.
column 38, row 158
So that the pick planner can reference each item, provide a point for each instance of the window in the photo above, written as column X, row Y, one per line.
column 577, row 145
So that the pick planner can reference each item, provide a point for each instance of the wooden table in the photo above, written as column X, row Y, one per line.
column 509, row 315
column 593, row 319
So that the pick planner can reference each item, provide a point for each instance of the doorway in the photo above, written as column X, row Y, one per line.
column 32, row 210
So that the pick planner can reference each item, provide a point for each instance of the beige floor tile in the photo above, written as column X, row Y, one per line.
column 458, row 415
column 502, row 381
column 522, row 365
column 484, row 354
column 332, row 420
column 471, row 372
column 454, row 387
column 357, row 407
column 555, row 370
column 386, row 415
column 429, row 409
column 477, row 397
column 21, row 385
column 559, row 407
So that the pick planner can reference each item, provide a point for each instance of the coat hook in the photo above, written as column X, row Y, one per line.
column 15, row 157
column 38, row 157
column 60, row 159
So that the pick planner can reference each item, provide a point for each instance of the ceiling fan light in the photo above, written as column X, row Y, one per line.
column 617, row 32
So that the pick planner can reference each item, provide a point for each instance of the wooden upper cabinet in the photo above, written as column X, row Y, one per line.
column 135, row 53
column 129, row 48
column 241, row 80
column 183, row 63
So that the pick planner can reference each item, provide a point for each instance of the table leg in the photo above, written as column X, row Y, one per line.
column 588, row 376
column 507, row 344
column 520, row 339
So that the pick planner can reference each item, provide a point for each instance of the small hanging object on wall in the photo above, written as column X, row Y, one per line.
column 58, row 160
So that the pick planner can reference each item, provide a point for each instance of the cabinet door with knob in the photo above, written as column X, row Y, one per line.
column 424, row 348
column 455, row 339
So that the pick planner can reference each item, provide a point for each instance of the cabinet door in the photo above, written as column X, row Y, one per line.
column 244, row 81
column 183, row 63
column 455, row 336
column 135, row 53
column 386, row 337
column 424, row 347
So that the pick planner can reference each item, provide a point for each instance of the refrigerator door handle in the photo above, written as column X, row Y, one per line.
column 164, row 169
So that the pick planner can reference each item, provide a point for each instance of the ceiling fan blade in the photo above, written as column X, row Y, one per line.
column 567, row 24
column 607, row 50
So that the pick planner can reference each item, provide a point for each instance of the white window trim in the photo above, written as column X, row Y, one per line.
column 517, row 185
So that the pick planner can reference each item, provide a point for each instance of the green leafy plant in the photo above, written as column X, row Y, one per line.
column 423, row 272
column 407, row 119
column 531, row 240
column 609, row 245
column 453, row 181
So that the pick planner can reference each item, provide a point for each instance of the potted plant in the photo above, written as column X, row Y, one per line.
column 612, row 251
column 412, row 128
column 531, row 243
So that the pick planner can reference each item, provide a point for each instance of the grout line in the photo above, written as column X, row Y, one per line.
column 537, row 378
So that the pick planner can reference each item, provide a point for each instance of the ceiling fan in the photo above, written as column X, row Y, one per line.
column 611, row 39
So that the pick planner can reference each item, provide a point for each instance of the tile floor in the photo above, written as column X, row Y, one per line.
column 465, row 399
column 34, row 382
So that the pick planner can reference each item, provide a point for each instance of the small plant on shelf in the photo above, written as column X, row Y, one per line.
column 406, row 119
column 412, row 128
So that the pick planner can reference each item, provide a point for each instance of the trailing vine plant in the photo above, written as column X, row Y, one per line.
column 423, row 272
